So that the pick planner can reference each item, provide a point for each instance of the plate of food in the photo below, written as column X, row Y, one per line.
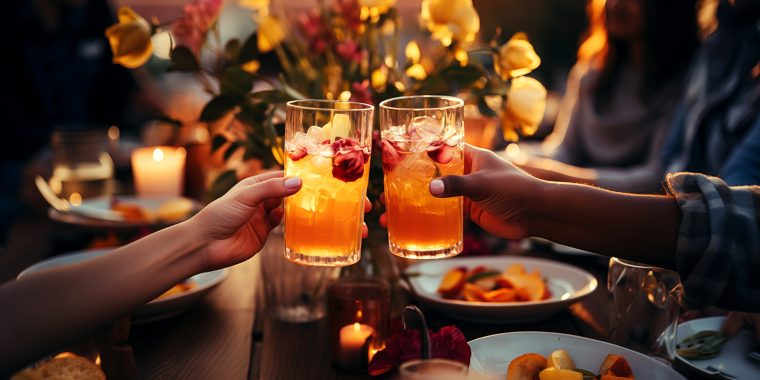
column 554, row 356
column 499, row 289
column 125, row 211
column 701, row 345
column 172, row 302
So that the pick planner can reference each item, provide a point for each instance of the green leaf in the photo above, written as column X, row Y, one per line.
column 451, row 79
column 232, row 50
column 231, row 149
column 183, row 59
column 236, row 82
column 217, row 107
column 223, row 184
column 272, row 96
column 250, row 49
column 217, row 142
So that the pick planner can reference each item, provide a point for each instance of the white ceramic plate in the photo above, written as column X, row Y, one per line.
column 491, row 354
column 154, row 310
column 104, row 203
column 567, row 284
column 733, row 358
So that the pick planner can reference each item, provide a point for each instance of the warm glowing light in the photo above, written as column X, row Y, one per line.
column 374, row 350
column 97, row 360
column 65, row 355
column 399, row 86
column 359, row 314
column 75, row 199
column 379, row 78
column 344, row 96
column 416, row 71
column 390, row 61
column 412, row 52
column 513, row 151
column 113, row 133
column 462, row 57
column 158, row 155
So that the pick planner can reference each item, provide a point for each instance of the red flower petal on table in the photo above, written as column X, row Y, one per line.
column 349, row 160
column 391, row 155
column 402, row 346
column 441, row 152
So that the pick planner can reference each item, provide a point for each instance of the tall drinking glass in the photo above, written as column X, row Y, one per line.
column 422, row 139
column 328, row 145
column 644, row 307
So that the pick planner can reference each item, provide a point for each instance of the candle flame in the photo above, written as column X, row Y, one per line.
column 75, row 199
column 158, row 155
column 359, row 314
column 357, row 326
column 97, row 360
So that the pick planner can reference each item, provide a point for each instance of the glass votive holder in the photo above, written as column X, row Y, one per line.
column 433, row 369
column 358, row 310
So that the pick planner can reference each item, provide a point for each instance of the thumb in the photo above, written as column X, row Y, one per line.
column 273, row 188
column 454, row 185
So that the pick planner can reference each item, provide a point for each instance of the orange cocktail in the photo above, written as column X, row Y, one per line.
column 323, row 220
column 422, row 139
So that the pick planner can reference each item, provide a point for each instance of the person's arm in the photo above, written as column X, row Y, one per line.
column 637, row 227
column 48, row 309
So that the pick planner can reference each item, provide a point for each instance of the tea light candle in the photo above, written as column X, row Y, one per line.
column 158, row 170
column 352, row 340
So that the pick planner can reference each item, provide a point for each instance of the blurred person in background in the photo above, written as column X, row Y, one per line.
column 716, row 126
column 58, row 70
column 621, row 95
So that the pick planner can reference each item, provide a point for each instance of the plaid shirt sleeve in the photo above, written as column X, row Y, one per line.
column 718, row 252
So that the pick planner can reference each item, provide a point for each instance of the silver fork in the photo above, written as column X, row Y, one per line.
column 723, row 375
column 63, row 206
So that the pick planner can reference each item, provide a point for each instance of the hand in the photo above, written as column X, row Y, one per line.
column 736, row 321
column 497, row 194
column 237, row 224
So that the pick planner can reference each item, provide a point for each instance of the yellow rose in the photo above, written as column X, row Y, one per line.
column 271, row 33
column 381, row 5
column 526, row 101
column 261, row 6
column 516, row 58
column 450, row 20
column 130, row 39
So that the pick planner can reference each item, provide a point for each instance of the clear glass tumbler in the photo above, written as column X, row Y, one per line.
column 82, row 167
column 422, row 139
column 328, row 145
column 644, row 304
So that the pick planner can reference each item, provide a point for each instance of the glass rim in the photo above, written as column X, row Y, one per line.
column 452, row 363
column 638, row 265
column 361, row 106
column 457, row 102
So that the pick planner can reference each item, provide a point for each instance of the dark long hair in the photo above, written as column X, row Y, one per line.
column 670, row 39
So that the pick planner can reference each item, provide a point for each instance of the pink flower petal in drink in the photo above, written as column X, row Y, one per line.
column 349, row 160
column 391, row 155
column 441, row 152
column 297, row 153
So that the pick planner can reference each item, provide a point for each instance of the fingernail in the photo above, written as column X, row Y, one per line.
column 293, row 182
column 436, row 187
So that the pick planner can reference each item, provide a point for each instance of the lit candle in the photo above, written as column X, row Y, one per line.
column 352, row 340
column 158, row 170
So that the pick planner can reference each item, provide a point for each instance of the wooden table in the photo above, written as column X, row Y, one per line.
column 227, row 336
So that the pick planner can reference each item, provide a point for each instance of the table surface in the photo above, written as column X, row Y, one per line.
column 227, row 335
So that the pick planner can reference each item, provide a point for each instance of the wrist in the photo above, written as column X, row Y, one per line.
column 198, row 241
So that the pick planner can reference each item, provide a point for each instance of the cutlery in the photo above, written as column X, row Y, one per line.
column 63, row 206
column 723, row 375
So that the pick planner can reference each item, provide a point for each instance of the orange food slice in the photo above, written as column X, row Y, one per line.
column 500, row 295
column 473, row 293
column 529, row 287
column 526, row 367
column 452, row 283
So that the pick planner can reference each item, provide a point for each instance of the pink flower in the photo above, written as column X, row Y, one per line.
column 197, row 18
column 402, row 346
column 349, row 51
column 316, row 32
column 391, row 156
column 350, row 12
column 349, row 160
column 360, row 92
